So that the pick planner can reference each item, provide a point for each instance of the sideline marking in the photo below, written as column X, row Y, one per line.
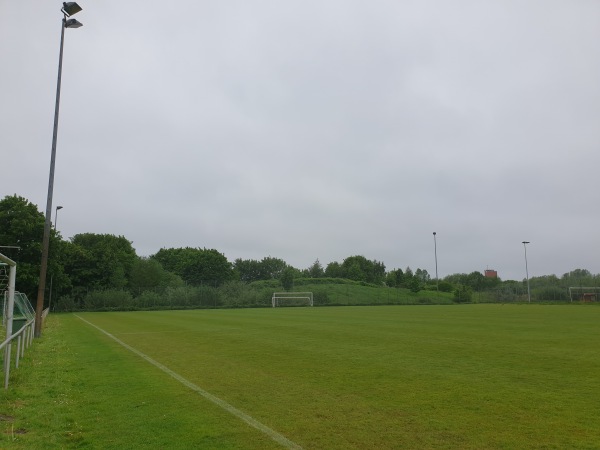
column 277, row 437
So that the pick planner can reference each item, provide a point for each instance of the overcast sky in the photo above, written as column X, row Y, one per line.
column 315, row 129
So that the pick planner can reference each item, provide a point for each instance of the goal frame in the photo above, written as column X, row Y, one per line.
column 584, row 293
column 277, row 296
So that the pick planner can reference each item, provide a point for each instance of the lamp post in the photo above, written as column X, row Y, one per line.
column 437, row 280
column 56, row 216
column 52, row 276
column 68, row 9
column 527, row 271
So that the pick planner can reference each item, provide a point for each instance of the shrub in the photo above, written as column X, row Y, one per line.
column 147, row 299
column 550, row 293
column 65, row 303
column 320, row 298
column 463, row 294
column 109, row 299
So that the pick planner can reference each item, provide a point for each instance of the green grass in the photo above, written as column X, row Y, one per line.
column 456, row 377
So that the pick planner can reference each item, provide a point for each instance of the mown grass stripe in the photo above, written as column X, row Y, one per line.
column 277, row 437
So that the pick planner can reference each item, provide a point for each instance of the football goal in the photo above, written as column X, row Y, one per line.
column 584, row 294
column 292, row 299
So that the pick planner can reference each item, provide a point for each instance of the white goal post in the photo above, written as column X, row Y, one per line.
column 292, row 299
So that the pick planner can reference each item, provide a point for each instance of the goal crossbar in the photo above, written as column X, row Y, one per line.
column 584, row 293
column 279, row 296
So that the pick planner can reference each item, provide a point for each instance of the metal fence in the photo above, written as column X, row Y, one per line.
column 18, row 331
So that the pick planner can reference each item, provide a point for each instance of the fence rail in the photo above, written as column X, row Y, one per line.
column 24, row 338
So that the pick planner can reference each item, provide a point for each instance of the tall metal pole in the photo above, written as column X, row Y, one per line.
column 527, row 271
column 437, row 280
column 46, row 239
column 52, row 276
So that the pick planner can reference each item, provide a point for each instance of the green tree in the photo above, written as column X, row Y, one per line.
column 407, row 278
column 99, row 261
column 287, row 278
column 148, row 274
column 334, row 270
column 422, row 275
column 196, row 266
column 247, row 270
column 360, row 268
column 22, row 226
column 316, row 270
column 463, row 293
column 353, row 271
column 272, row 268
column 394, row 278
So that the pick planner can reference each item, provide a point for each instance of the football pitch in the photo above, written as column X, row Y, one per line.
column 460, row 376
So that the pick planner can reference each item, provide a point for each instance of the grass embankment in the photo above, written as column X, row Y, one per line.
column 455, row 377
column 354, row 295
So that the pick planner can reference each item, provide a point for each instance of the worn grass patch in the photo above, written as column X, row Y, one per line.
column 456, row 377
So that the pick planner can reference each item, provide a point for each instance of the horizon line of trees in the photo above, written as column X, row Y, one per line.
column 90, row 262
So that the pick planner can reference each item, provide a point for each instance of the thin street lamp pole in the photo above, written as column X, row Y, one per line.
column 437, row 280
column 527, row 271
column 68, row 9
column 52, row 276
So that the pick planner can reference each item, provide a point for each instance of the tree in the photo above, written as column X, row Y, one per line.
column 99, row 261
column 148, row 274
column 408, row 277
column 287, row 278
column 463, row 293
column 316, row 270
column 196, row 266
column 360, row 268
column 394, row 278
column 22, row 225
column 422, row 275
column 353, row 271
column 247, row 270
column 334, row 270
column 272, row 268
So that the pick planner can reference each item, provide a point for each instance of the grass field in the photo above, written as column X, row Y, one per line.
column 456, row 377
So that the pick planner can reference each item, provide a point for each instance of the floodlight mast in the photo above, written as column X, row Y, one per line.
column 68, row 9
column 527, row 271
column 437, row 280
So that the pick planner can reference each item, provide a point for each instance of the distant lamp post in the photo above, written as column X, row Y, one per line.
column 527, row 271
column 437, row 280
column 52, row 276
column 68, row 9
column 56, row 216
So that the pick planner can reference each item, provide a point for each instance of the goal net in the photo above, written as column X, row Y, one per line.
column 584, row 294
column 292, row 299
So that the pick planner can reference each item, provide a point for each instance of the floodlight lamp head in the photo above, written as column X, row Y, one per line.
column 59, row 207
column 72, row 23
column 525, row 242
column 70, row 8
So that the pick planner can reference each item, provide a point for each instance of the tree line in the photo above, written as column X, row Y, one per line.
column 88, row 264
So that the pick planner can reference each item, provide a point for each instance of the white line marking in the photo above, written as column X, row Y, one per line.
column 277, row 437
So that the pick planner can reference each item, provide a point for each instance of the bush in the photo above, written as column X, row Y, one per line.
column 320, row 298
column 550, row 293
column 445, row 286
column 463, row 294
column 109, row 299
column 65, row 303
column 147, row 299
